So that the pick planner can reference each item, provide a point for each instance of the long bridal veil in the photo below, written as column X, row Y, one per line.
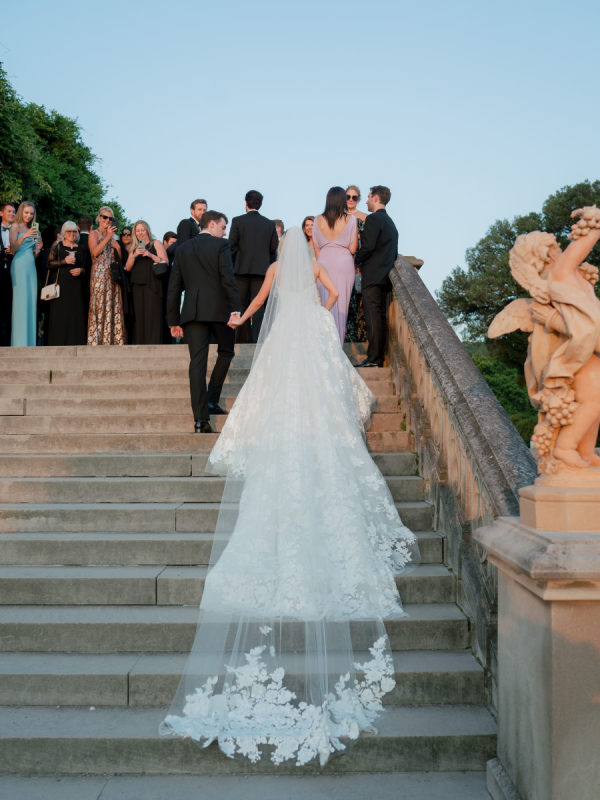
column 291, row 658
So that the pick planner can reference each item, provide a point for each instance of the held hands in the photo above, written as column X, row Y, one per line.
column 234, row 320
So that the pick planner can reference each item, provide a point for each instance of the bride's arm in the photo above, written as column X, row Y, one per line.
column 321, row 274
column 259, row 299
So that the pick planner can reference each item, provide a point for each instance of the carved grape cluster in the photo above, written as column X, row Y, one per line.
column 543, row 438
column 589, row 219
column 559, row 410
column 589, row 272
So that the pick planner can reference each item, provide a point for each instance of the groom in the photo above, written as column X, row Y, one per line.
column 203, row 268
column 376, row 257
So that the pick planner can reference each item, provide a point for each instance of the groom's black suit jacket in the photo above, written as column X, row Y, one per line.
column 253, row 240
column 378, row 248
column 202, row 267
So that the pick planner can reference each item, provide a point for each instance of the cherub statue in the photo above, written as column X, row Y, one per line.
column 562, row 369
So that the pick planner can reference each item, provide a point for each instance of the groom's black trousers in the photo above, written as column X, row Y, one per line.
column 197, row 337
column 375, row 304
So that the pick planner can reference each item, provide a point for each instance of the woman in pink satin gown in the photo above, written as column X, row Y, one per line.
column 335, row 239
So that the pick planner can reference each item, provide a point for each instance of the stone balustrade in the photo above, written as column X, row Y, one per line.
column 471, row 455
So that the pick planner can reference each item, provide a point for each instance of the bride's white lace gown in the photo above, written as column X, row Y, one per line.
column 291, row 658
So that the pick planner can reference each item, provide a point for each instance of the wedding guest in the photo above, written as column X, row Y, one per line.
column 352, row 201
column 126, row 292
column 376, row 257
column 253, row 241
column 105, row 318
column 335, row 239
column 279, row 227
column 307, row 230
column 356, row 329
column 190, row 227
column 204, row 270
column 147, row 286
column 7, row 216
column 25, row 243
column 84, row 226
column 67, row 320
column 125, row 241
column 170, row 245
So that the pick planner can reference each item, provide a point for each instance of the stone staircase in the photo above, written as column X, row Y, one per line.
column 106, row 520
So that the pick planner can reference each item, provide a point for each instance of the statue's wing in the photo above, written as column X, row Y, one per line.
column 515, row 316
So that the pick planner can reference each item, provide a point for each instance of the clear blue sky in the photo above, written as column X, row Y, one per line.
column 470, row 111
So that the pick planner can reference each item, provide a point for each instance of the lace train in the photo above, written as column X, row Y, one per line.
column 304, row 560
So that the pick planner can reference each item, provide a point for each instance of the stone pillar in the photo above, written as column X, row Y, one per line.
column 548, row 641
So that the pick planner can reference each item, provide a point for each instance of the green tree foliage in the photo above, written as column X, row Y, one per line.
column 43, row 159
column 508, row 385
column 473, row 296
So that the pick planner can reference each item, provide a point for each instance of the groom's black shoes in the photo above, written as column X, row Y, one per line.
column 215, row 408
column 367, row 363
column 202, row 426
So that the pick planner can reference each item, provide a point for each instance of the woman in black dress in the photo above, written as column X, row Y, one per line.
column 147, row 287
column 67, row 314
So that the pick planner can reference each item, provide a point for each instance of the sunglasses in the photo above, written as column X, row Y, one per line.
column 104, row 216
column 126, row 233
column 352, row 197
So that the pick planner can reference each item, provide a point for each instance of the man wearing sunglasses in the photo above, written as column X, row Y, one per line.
column 376, row 257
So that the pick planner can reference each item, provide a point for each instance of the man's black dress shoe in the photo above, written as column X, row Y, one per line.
column 202, row 426
column 367, row 363
column 216, row 409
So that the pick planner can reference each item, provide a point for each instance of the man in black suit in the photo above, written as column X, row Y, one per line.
column 376, row 257
column 7, row 215
column 203, row 267
column 84, row 225
column 190, row 227
column 253, row 241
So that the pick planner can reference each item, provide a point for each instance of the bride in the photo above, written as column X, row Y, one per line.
column 291, row 658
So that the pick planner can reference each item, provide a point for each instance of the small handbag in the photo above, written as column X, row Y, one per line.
column 159, row 268
column 50, row 291
column 358, row 283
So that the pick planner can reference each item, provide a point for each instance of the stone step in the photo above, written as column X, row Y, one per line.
column 165, row 585
column 139, row 372
column 145, row 517
column 55, row 679
column 132, row 549
column 45, row 741
column 383, row 786
column 48, row 406
column 115, row 392
column 176, row 465
column 86, row 443
column 159, row 490
column 12, row 406
column 165, row 422
column 171, row 629
column 134, row 350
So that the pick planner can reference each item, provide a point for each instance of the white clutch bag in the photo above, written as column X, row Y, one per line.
column 52, row 291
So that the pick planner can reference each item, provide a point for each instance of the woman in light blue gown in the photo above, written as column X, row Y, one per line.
column 25, row 244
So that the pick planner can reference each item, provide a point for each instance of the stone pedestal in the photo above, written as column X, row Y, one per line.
column 548, row 644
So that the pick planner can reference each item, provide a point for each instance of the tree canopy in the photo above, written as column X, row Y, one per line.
column 43, row 158
column 473, row 296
